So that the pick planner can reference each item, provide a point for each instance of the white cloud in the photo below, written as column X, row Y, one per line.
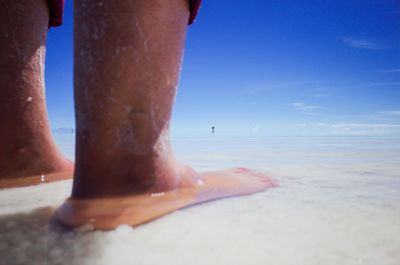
column 365, row 125
column 362, row 128
column 321, row 124
column 320, row 92
column 255, row 129
column 375, row 132
column 305, row 109
column 353, row 42
column 319, row 95
column 389, row 112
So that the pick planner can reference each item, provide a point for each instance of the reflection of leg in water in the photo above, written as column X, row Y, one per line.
column 127, row 60
column 27, row 148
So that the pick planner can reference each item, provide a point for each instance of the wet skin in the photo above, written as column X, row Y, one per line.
column 15, row 182
column 110, row 212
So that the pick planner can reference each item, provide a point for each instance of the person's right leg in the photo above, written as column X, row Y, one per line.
column 127, row 61
column 27, row 147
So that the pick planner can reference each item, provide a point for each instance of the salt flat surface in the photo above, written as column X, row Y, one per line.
column 338, row 203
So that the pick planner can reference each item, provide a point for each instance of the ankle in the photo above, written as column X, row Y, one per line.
column 29, row 159
column 125, row 175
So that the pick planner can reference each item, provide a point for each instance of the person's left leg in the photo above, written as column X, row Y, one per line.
column 27, row 147
column 127, row 60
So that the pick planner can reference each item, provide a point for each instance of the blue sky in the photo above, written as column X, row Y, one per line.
column 260, row 67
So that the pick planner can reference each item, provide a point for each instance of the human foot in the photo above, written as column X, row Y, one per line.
column 108, row 213
column 35, row 179
column 34, row 172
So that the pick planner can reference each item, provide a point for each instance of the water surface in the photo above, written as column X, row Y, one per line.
column 338, row 203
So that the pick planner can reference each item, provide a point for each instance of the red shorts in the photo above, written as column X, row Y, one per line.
column 56, row 11
column 194, row 9
column 56, row 8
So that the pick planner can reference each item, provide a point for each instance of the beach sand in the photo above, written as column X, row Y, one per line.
column 338, row 203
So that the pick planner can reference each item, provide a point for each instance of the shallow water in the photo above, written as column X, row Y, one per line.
column 338, row 203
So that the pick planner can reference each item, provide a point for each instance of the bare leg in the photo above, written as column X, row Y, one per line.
column 127, row 62
column 27, row 147
column 127, row 57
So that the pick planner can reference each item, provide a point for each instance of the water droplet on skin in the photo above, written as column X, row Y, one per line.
column 43, row 178
column 157, row 194
column 29, row 99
